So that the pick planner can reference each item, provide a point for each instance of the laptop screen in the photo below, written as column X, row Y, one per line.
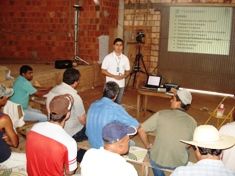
column 153, row 81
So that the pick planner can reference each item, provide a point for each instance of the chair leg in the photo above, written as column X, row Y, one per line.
column 210, row 117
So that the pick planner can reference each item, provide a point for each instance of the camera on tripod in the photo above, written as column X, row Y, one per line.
column 140, row 37
column 138, row 59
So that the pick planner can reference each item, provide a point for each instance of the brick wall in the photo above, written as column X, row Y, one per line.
column 43, row 30
column 140, row 15
column 96, row 21
column 148, row 21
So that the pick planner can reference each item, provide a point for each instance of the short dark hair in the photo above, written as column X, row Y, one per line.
column 182, row 105
column 25, row 69
column 111, row 90
column 118, row 40
column 56, row 118
column 205, row 151
column 71, row 75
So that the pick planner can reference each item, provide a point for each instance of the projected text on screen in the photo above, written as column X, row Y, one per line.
column 200, row 30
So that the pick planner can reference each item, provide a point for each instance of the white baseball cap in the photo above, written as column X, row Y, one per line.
column 184, row 96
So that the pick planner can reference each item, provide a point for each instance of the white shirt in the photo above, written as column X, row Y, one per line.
column 229, row 154
column 116, row 65
column 72, row 125
column 101, row 162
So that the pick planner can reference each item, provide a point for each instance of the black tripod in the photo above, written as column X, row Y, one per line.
column 136, row 66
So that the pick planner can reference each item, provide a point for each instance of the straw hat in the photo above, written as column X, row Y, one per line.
column 207, row 136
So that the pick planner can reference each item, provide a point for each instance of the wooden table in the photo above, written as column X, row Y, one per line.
column 142, row 98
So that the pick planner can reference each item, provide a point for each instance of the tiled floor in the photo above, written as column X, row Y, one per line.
column 201, row 105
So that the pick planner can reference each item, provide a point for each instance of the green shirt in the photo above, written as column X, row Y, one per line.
column 22, row 90
column 170, row 126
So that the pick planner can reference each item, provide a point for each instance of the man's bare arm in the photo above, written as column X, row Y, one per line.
column 42, row 91
column 144, row 137
column 117, row 77
column 10, row 136
column 82, row 119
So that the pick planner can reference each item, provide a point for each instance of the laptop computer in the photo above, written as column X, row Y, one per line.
column 153, row 82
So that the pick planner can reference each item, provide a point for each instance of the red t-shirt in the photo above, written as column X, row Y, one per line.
column 50, row 150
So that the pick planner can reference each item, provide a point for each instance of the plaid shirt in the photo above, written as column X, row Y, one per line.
column 205, row 167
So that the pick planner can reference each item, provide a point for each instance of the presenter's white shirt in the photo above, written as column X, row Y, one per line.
column 101, row 162
column 116, row 65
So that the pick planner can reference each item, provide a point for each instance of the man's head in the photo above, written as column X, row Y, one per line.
column 118, row 45
column 60, row 107
column 71, row 76
column 182, row 99
column 111, row 90
column 5, row 93
column 27, row 72
column 116, row 136
column 208, row 142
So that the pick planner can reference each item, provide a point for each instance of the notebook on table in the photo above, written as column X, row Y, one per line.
column 136, row 154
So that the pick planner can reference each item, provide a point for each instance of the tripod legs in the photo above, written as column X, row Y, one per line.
column 80, row 59
column 137, row 68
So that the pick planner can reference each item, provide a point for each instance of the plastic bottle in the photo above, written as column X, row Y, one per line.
column 220, row 111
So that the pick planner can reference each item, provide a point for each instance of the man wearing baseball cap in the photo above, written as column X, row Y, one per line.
column 106, row 160
column 49, row 149
column 169, row 127
column 208, row 146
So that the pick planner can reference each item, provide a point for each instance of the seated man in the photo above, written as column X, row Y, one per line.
column 169, row 127
column 74, row 126
column 107, row 161
column 228, row 156
column 208, row 146
column 8, row 137
column 106, row 110
column 23, row 88
column 49, row 149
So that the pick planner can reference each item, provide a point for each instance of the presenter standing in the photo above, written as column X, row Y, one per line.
column 116, row 67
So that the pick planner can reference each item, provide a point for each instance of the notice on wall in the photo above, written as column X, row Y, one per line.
column 200, row 30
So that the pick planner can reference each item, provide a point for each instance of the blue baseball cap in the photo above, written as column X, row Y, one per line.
column 115, row 131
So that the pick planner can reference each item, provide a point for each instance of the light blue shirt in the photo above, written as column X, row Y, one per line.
column 22, row 90
column 205, row 167
column 101, row 113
